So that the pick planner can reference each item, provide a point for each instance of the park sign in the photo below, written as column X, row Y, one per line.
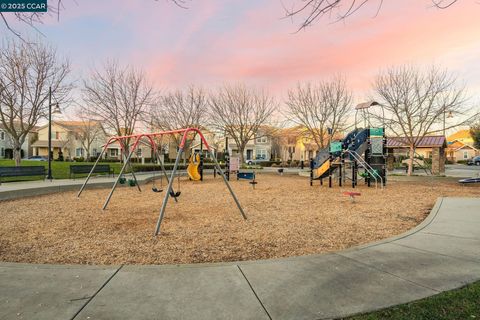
column 376, row 132
column 23, row 6
column 335, row 146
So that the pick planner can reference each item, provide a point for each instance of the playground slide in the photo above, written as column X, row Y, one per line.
column 359, row 143
column 322, row 171
column 355, row 140
column 192, row 169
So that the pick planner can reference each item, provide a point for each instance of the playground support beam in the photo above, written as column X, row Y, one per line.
column 169, row 188
column 228, row 185
column 120, row 174
column 170, row 182
column 164, row 172
column 93, row 168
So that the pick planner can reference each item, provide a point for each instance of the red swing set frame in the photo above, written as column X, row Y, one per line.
column 150, row 137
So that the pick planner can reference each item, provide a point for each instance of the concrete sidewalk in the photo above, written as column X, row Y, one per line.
column 15, row 190
column 442, row 253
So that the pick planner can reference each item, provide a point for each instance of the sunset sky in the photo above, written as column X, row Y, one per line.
column 214, row 41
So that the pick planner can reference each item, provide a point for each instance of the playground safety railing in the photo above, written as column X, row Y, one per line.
column 367, row 167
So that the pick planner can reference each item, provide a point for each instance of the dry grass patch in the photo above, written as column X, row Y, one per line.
column 286, row 217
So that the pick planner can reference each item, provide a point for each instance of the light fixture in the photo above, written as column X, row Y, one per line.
column 56, row 109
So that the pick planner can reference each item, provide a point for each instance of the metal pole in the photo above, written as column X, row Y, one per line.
column 49, row 173
column 444, row 111
column 91, row 171
column 116, row 181
column 200, row 166
column 228, row 185
column 167, row 194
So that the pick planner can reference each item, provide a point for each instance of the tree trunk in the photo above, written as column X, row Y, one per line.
column 241, row 150
column 17, row 153
column 411, row 155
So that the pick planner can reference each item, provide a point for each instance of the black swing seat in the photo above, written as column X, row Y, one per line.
column 154, row 189
column 175, row 194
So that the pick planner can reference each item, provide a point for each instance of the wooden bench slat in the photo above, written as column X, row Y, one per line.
column 84, row 168
column 25, row 171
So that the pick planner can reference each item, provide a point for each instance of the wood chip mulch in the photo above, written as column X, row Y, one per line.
column 286, row 217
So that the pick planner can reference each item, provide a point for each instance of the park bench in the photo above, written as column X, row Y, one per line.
column 26, row 171
column 86, row 168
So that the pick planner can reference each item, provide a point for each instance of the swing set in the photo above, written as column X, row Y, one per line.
column 149, row 139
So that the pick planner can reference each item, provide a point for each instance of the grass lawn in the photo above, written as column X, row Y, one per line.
column 462, row 303
column 60, row 169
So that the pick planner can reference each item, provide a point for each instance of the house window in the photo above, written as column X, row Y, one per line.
column 2, row 135
column 79, row 152
column 95, row 152
column 57, row 135
column 139, row 152
column 262, row 140
column 113, row 153
column 2, row 152
column 261, row 154
column 465, row 155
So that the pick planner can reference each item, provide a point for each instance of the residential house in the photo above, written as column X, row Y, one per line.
column 296, row 144
column 142, row 153
column 460, row 146
column 69, row 139
column 261, row 147
column 6, row 144
column 212, row 141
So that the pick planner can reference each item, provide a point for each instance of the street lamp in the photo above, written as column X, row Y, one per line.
column 55, row 111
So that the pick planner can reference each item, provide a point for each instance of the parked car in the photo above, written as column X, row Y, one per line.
column 255, row 161
column 38, row 158
column 474, row 161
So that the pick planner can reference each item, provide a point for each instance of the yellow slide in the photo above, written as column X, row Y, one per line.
column 192, row 168
column 320, row 171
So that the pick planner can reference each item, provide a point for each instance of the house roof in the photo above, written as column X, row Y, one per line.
column 461, row 134
column 425, row 142
column 457, row 145
column 72, row 125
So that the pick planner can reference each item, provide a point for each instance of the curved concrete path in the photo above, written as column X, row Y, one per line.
column 442, row 253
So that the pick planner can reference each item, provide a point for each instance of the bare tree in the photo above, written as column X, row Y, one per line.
column 118, row 98
column 88, row 131
column 415, row 102
column 240, row 112
column 312, row 10
column 319, row 107
column 27, row 71
column 180, row 109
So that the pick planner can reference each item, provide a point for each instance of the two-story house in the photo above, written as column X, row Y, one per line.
column 71, row 139
column 260, row 147
column 6, row 145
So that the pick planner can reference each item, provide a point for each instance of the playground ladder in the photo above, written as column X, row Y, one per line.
column 367, row 167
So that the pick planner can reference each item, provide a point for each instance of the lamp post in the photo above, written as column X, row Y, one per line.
column 57, row 110
column 450, row 115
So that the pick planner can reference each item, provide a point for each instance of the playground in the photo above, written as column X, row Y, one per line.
column 286, row 217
